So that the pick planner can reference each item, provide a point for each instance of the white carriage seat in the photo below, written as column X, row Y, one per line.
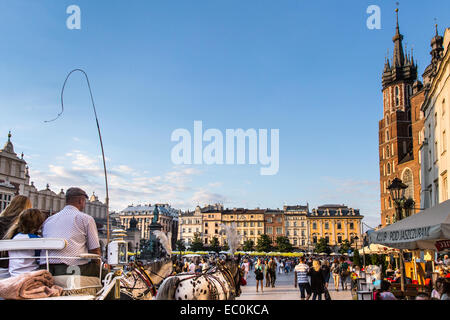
column 73, row 284
column 29, row 244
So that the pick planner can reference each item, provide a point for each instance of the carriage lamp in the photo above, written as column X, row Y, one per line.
column 117, row 253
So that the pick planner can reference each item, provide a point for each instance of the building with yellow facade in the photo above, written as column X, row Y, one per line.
column 335, row 223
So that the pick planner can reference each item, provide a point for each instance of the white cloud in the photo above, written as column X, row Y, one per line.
column 126, row 184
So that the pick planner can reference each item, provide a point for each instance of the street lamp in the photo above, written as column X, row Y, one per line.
column 355, row 239
column 397, row 190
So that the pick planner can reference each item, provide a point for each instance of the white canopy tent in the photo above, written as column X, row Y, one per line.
column 376, row 249
column 424, row 230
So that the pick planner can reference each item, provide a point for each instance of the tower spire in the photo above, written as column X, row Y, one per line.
column 399, row 58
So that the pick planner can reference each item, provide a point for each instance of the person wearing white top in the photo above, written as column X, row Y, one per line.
column 80, row 232
column 22, row 261
column 192, row 267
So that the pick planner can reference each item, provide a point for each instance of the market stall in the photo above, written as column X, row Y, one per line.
column 429, row 229
column 426, row 231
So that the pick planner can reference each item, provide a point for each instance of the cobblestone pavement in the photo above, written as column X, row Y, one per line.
column 284, row 289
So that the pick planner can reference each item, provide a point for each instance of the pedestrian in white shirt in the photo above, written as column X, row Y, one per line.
column 80, row 232
column 28, row 225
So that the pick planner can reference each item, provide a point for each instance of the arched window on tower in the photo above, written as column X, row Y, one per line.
column 388, row 153
column 397, row 96
column 387, row 135
column 388, row 168
column 407, row 179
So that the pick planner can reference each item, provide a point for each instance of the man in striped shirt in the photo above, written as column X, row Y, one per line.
column 302, row 279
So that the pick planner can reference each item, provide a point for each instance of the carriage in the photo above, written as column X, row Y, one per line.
column 125, row 281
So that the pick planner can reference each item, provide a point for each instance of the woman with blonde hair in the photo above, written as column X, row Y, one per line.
column 10, row 215
column 317, row 280
column 28, row 226
column 8, row 218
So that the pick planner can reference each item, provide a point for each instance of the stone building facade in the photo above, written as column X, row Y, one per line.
column 274, row 223
column 190, row 223
column 296, row 225
column 211, row 220
column 435, row 135
column 335, row 223
column 142, row 215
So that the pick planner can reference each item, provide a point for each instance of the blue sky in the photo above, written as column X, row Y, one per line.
column 310, row 69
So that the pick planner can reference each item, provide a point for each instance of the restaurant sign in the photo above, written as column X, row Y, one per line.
column 403, row 235
column 442, row 245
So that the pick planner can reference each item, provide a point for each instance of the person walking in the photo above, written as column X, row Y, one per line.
column 272, row 271
column 343, row 273
column 246, row 265
column 302, row 280
column 335, row 271
column 326, row 272
column 317, row 280
column 266, row 272
column 259, row 274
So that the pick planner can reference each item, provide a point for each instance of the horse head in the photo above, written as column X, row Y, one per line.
column 232, row 264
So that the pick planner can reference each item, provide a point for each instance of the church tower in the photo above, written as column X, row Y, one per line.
column 395, row 129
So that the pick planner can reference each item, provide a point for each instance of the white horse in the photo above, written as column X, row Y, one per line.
column 221, row 282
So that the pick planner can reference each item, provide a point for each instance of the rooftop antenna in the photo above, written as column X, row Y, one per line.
column 99, row 135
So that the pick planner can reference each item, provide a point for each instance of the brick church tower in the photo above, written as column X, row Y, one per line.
column 398, row 145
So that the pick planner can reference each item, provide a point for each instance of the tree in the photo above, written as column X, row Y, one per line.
column 264, row 243
column 249, row 245
column 214, row 246
column 356, row 258
column 197, row 243
column 283, row 244
column 345, row 246
column 180, row 245
column 322, row 246
column 225, row 246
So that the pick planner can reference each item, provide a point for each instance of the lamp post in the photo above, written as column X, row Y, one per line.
column 397, row 190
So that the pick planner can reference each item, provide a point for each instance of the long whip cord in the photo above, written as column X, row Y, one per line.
column 100, row 136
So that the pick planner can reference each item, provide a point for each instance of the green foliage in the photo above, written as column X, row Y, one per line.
column 249, row 245
column 356, row 258
column 345, row 246
column 225, row 246
column 214, row 245
column 197, row 243
column 180, row 245
column 322, row 246
column 374, row 259
column 264, row 243
column 283, row 244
